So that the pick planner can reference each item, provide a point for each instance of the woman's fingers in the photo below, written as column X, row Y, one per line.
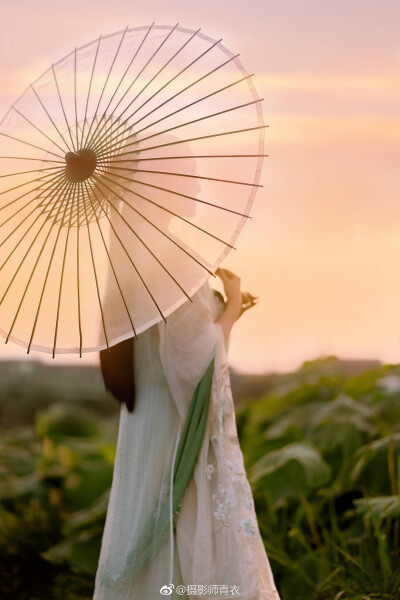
column 248, row 301
column 248, row 298
column 225, row 273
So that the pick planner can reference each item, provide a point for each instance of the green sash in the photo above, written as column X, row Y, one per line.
column 154, row 535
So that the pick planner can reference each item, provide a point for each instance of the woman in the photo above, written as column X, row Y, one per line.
column 199, row 538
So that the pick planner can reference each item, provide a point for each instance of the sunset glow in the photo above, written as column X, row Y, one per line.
column 323, row 247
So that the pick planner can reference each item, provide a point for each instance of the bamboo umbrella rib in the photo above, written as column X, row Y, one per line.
column 80, row 189
column 38, row 129
column 108, row 253
column 122, row 78
column 137, row 132
column 30, row 277
column 18, row 211
column 32, row 171
column 119, row 84
column 148, row 249
column 32, row 158
column 125, row 160
column 89, row 90
column 62, row 276
column 16, row 200
column 67, row 198
column 154, row 77
column 186, row 175
column 53, row 180
column 189, row 105
column 78, row 285
column 175, row 95
column 50, row 179
column 157, row 187
column 106, row 137
column 62, row 107
column 155, row 227
column 105, row 83
column 203, row 137
column 60, row 186
column 50, row 117
column 87, row 142
column 76, row 132
column 130, row 258
column 168, row 82
column 226, row 110
column 16, row 187
column 11, row 137
column 168, row 211
column 75, row 102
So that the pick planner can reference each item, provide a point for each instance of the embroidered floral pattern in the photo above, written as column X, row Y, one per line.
column 224, row 501
column 233, row 501
column 236, row 470
column 248, row 528
column 210, row 468
column 222, row 390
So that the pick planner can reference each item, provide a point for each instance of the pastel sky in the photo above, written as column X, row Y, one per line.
column 323, row 248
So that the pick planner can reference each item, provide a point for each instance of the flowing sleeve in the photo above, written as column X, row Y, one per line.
column 188, row 343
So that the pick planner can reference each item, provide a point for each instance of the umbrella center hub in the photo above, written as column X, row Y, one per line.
column 80, row 165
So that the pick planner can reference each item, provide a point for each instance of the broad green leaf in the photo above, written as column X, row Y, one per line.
column 382, row 506
column 290, row 470
column 20, row 486
column 89, row 515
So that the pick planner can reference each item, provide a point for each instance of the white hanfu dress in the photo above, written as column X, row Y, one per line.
column 216, row 549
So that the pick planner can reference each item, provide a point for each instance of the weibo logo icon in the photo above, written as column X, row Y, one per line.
column 166, row 590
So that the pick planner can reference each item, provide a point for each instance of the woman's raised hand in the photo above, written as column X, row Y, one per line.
column 237, row 301
column 231, row 283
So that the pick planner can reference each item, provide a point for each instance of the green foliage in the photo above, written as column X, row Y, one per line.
column 24, row 532
column 53, row 502
column 321, row 449
column 291, row 471
column 63, row 419
column 322, row 453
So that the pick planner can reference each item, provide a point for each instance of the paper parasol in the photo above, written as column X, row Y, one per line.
column 127, row 171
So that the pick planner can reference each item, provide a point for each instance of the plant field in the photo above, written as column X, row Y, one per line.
column 322, row 453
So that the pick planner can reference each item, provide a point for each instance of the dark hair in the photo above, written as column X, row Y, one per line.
column 117, row 369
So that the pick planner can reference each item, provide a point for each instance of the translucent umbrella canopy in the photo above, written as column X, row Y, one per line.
column 127, row 171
